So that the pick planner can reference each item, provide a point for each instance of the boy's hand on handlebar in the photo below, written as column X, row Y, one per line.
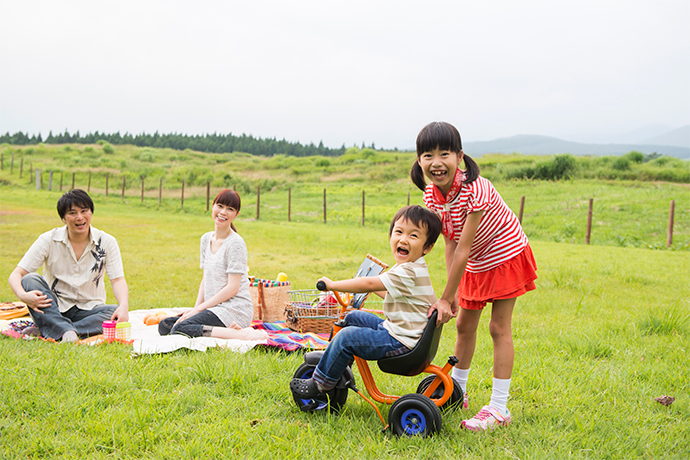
column 326, row 281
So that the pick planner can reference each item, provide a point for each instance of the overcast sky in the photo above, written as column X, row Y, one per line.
column 346, row 72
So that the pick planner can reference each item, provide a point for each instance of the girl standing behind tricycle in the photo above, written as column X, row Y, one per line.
column 488, row 260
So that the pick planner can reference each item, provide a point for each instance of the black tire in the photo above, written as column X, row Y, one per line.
column 333, row 401
column 414, row 415
column 455, row 400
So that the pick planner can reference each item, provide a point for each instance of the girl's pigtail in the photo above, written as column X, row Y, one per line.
column 471, row 169
column 232, row 226
column 417, row 176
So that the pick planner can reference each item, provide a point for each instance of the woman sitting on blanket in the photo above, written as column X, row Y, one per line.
column 223, row 306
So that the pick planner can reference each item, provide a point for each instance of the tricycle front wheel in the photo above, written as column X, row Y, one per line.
column 333, row 400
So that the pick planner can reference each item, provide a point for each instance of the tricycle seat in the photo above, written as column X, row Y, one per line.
column 416, row 360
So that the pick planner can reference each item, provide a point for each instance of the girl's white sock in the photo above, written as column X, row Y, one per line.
column 499, row 395
column 460, row 376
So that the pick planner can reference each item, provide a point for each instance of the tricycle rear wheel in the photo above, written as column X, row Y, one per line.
column 414, row 415
column 453, row 402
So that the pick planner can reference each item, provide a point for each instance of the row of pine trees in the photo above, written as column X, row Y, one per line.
column 213, row 143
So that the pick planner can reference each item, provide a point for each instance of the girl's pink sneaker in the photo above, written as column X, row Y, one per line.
column 486, row 419
column 465, row 401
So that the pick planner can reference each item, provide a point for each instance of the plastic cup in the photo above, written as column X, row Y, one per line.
column 123, row 331
column 109, row 330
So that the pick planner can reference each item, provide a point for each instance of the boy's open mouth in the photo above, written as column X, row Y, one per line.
column 403, row 251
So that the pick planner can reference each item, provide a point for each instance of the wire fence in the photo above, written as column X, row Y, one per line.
column 301, row 203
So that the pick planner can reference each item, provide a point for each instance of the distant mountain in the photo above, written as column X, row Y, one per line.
column 545, row 145
column 678, row 137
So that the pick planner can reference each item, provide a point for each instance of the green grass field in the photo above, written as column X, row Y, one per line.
column 605, row 333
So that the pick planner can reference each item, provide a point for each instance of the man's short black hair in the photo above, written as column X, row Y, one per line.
column 421, row 217
column 76, row 197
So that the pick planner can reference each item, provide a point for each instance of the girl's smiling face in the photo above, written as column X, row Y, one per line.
column 223, row 215
column 440, row 166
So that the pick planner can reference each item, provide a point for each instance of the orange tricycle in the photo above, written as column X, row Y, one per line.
column 413, row 414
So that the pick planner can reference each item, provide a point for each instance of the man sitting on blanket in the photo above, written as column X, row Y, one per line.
column 68, row 301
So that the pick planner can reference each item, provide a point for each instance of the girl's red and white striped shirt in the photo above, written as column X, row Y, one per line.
column 499, row 236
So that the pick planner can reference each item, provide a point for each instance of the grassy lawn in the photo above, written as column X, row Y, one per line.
column 605, row 333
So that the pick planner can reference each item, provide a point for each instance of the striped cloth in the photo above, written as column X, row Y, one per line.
column 499, row 236
column 280, row 336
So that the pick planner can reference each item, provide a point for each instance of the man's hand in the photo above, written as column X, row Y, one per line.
column 446, row 311
column 36, row 301
column 121, row 314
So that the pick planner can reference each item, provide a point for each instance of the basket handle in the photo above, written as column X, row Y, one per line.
column 262, row 301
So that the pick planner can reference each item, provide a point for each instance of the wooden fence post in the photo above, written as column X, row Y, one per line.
column 182, row 195
column 142, row 188
column 289, row 202
column 669, row 238
column 160, row 191
column 522, row 208
column 408, row 198
column 38, row 179
column 208, row 193
column 362, row 207
column 50, row 181
column 589, row 221
column 88, row 187
column 107, row 176
column 258, row 200
column 73, row 174
column 124, row 180
column 324, row 205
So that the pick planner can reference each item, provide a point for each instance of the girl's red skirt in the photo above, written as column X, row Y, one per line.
column 510, row 279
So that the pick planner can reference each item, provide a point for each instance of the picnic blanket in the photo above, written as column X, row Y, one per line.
column 280, row 336
column 146, row 340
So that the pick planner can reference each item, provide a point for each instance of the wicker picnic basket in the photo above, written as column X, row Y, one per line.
column 310, row 310
column 269, row 299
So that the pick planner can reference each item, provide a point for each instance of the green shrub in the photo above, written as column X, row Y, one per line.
column 147, row 157
column 107, row 148
column 621, row 164
column 635, row 157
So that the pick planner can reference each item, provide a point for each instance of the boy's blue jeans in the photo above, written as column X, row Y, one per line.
column 363, row 336
column 53, row 324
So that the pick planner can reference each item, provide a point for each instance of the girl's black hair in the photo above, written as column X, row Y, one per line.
column 231, row 199
column 443, row 136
